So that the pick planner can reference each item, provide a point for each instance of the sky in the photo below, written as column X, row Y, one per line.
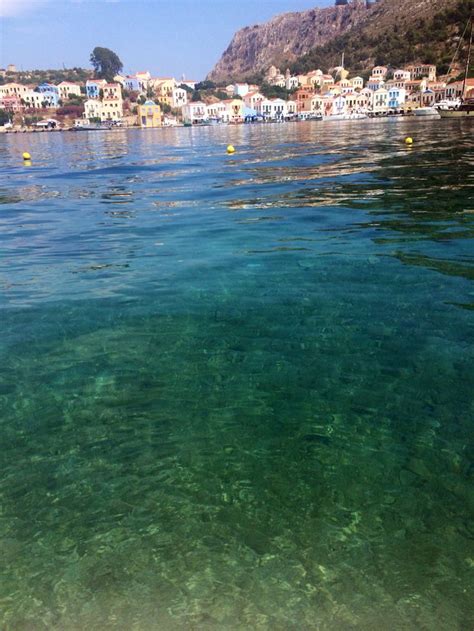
column 166, row 37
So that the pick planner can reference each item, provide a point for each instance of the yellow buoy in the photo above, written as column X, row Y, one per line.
column 26, row 156
column 408, row 140
column 230, row 149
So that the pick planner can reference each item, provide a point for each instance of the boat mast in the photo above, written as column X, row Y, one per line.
column 466, row 72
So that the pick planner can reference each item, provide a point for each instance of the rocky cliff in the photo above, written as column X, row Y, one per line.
column 402, row 29
column 284, row 38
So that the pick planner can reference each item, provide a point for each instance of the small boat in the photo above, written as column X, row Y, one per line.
column 425, row 111
column 345, row 117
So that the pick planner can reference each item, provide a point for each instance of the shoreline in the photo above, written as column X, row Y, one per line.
column 219, row 125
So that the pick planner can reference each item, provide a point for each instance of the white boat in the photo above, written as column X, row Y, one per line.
column 426, row 111
column 465, row 107
column 345, row 117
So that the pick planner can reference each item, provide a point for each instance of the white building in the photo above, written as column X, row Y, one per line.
column 66, row 88
column 179, row 97
column 291, row 83
column 379, row 101
column 252, row 98
column 195, row 112
column 240, row 89
column 396, row 98
column 106, row 110
column 272, row 109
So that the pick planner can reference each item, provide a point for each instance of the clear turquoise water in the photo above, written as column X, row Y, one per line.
column 236, row 392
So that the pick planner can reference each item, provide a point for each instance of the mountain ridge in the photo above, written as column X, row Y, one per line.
column 389, row 31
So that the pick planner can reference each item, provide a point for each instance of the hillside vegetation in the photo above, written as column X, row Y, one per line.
column 390, row 32
column 410, row 39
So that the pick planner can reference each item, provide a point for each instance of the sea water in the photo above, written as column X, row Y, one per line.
column 236, row 392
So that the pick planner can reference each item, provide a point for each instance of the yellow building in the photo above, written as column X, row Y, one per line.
column 163, row 89
column 149, row 114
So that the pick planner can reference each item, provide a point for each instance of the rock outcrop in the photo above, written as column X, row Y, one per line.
column 390, row 31
column 285, row 38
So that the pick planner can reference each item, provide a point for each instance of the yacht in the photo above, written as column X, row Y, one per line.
column 465, row 108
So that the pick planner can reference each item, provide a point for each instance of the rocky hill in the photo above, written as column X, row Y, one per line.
column 367, row 32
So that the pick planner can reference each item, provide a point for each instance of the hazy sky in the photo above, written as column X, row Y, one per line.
column 167, row 37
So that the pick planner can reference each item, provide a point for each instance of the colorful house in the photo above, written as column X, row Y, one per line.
column 418, row 71
column 149, row 114
column 379, row 101
column 396, row 98
column 179, row 97
column 234, row 110
column 112, row 91
column 252, row 98
column 11, row 104
column 195, row 112
column 14, row 89
column 67, row 88
column 93, row 88
column 357, row 83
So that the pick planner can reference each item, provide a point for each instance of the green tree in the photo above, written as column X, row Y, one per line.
column 106, row 63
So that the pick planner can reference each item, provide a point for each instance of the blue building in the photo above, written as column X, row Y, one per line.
column 132, row 84
column 49, row 94
column 93, row 88
column 396, row 98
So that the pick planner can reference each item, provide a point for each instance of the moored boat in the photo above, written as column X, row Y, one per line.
column 465, row 108
column 425, row 111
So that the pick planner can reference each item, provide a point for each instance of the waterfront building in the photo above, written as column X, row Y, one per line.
column 454, row 90
column 234, row 110
column 428, row 98
column 67, row 88
column 303, row 97
column 272, row 109
column 379, row 103
column 195, row 112
column 217, row 111
column 396, row 98
column 149, row 114
column 107, row 109
column 291, row 108
column 339, row 105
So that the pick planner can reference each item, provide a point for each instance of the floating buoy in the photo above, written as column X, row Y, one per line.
column 230, row 149
column 26, row 156
column 408, row 140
